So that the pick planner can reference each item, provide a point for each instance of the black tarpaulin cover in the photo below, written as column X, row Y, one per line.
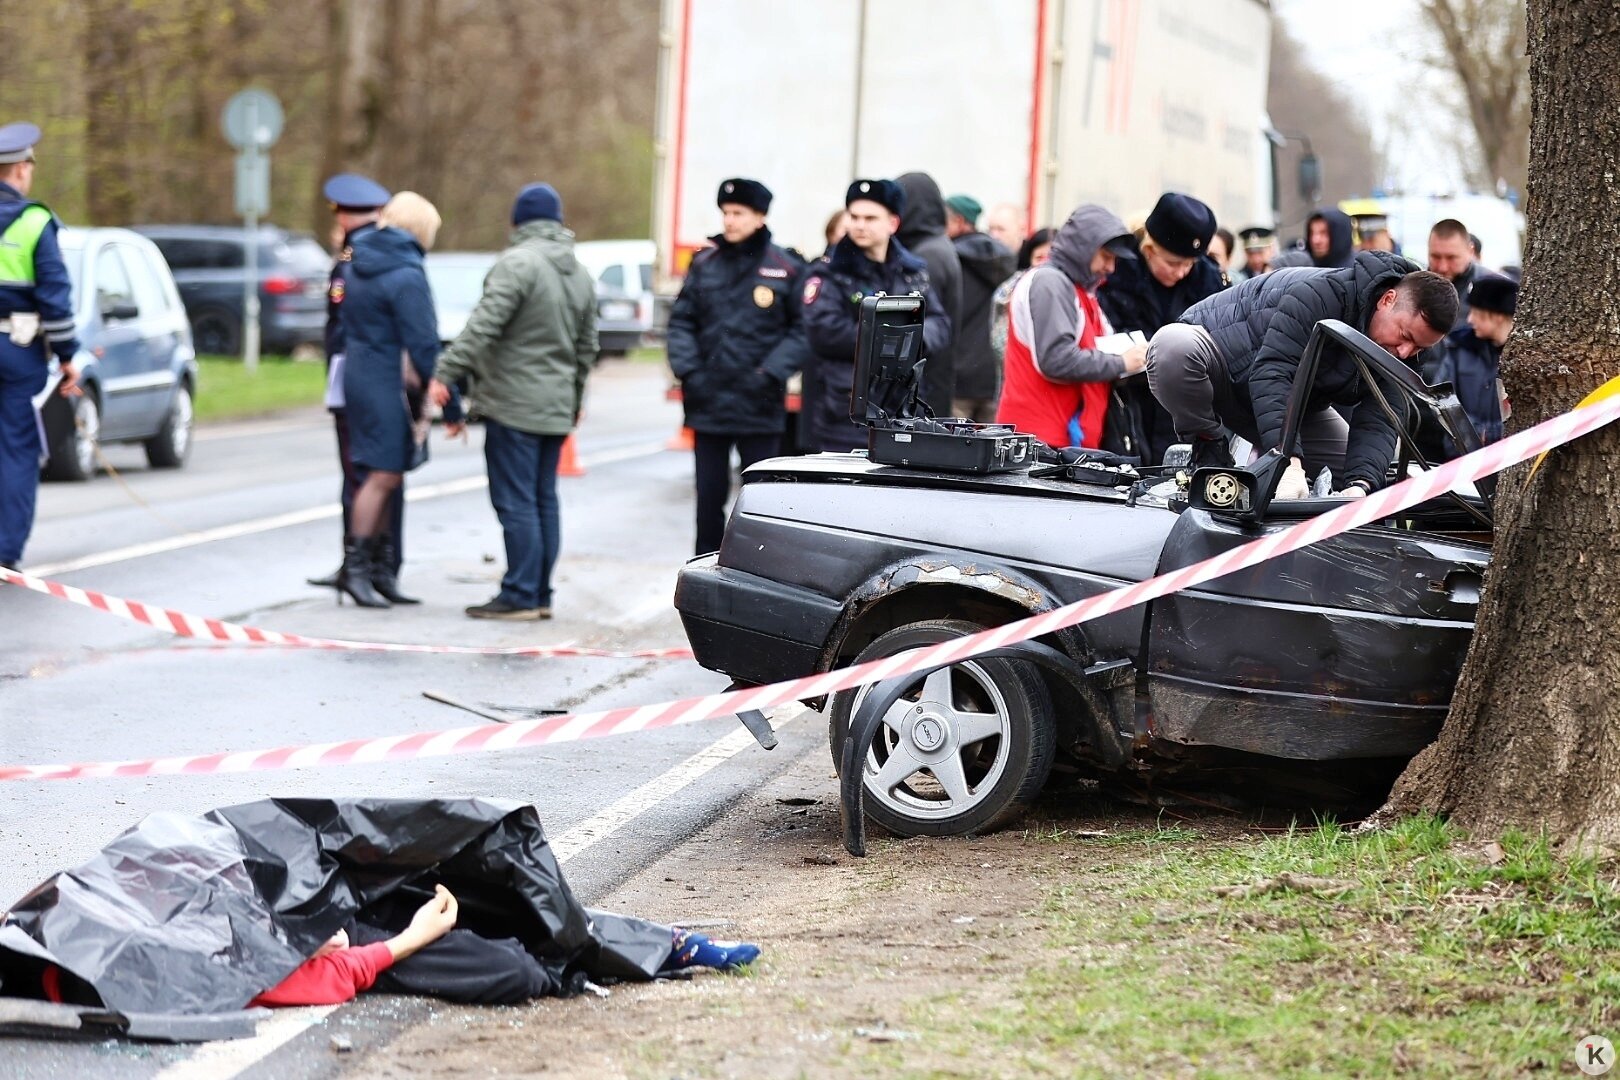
column 196, row 915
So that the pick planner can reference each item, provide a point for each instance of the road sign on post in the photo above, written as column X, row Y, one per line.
column 252, row 123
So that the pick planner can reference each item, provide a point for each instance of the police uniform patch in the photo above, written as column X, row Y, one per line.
column 812, row 289
column 764, row 297
column 336, row 292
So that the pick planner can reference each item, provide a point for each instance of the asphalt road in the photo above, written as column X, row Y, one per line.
column 233, row 535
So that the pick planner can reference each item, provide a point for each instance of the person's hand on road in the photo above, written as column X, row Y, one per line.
column 439, row 393
column 455, row 431
column 1293, row 484
column 1135, row 359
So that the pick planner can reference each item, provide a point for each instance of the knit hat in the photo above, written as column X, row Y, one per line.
column 967, row 206
column 537, row 201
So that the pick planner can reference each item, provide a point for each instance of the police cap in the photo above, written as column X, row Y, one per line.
column 1256, row 237
column 1181, row 225
column 1495, row 292
column 351, row 191
column 886, row 193
column 741, row 192
column 17, row 143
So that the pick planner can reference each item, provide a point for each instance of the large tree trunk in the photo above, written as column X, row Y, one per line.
column 1533, row 737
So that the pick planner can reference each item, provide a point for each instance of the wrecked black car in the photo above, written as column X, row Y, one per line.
column 1319, row 673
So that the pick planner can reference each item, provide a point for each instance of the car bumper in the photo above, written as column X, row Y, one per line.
column 619, row 340
column 755, row 630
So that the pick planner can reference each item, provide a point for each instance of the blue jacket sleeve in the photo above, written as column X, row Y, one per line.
column 418, row 325
column 53, row 293
column 831, row 322
column 685, row 355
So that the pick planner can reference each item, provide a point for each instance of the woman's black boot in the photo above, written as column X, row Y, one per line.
column 355, row 576
column 330, row 581
column 383, row 577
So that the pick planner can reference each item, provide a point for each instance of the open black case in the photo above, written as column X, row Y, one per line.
column 887, row 399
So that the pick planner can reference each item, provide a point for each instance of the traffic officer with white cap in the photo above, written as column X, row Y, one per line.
column 356, row 201
column 36, row 321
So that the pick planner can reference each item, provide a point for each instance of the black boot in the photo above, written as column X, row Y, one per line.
column 355, row 576
column 330, row 581
column 384, row 578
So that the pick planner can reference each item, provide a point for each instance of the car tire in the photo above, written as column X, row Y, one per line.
column 170, row 447
column 216, row 332
column 74, row 450
column 1000, row 775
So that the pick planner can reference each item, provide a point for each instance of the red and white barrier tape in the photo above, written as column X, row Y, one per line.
column 488, row 737
column 182, row 624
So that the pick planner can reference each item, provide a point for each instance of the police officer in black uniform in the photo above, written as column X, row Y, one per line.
column 735, row 339
column 867, row 260
column 356, row 201
column 36, row 321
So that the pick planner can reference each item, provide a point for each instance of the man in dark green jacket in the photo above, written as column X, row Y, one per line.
column 528, row 347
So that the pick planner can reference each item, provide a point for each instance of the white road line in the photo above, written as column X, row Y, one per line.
column 225, row 1060
column 301, row 517
column 606, row 822
column 246, row 429
column 231, row 1057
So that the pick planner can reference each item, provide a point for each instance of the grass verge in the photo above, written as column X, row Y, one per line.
column 1317, row 952
column 226, row 391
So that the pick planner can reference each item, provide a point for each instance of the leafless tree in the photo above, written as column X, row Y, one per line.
column 1483, row 45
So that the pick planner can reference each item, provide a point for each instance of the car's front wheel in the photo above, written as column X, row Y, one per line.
column 73, row 452
column 169, row 448
column 964, row 750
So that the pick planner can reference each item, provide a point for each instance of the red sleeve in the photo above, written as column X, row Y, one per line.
column 331, row 979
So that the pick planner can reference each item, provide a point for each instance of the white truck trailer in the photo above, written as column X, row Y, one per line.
column 1043, row 104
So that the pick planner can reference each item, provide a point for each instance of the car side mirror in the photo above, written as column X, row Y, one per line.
column 1241, row 491
column 114, row 311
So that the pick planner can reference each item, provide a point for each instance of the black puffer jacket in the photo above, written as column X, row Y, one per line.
column 736, row 337
column 1261, row 328
column 986, row 263
column 922, row 231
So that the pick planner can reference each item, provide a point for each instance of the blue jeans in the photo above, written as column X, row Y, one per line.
column 523, row 490
column 22, row 375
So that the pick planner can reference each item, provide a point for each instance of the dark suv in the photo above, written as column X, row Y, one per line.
column 208, row 264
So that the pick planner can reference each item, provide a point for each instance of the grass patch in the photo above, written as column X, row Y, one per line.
column 1407, row 951
column 227, row 391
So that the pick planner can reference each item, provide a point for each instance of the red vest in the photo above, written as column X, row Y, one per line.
column 1036, row 404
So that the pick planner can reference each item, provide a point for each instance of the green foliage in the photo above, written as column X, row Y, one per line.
column 226, row 390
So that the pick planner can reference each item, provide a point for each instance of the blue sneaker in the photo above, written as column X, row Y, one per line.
column 694, row 950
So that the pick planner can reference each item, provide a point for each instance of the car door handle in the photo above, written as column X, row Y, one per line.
column 1460, row 586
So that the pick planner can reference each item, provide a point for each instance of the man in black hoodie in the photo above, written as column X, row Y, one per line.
column 922, row 231
column 986, row 263
column 1229, row 364
column 1330, row 241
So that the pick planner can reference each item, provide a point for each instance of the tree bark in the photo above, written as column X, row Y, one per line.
column 1533, row 735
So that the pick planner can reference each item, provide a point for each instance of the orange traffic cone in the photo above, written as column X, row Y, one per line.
column 682, row 440
column 568, row 464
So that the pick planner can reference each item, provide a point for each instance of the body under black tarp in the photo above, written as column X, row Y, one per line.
column 191, row 916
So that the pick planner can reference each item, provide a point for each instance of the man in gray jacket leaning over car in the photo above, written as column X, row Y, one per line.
column 528, row 346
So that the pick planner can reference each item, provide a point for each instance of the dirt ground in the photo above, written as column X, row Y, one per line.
column 860, row 957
